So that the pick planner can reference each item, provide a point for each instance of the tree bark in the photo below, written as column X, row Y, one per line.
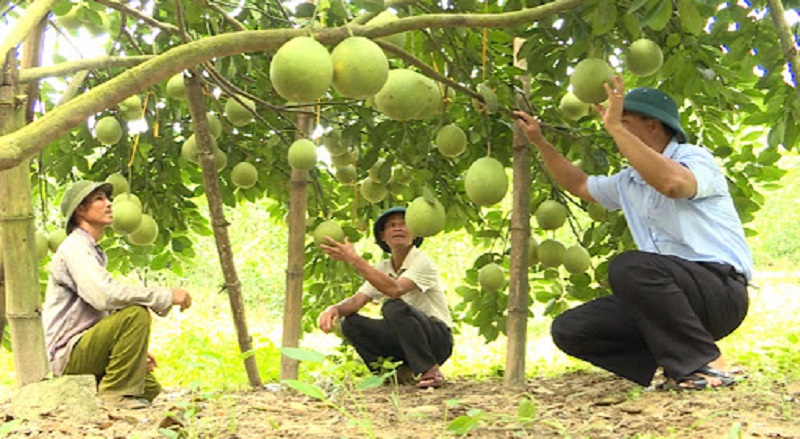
column 23, row 304
column 2, row 289
column 786, row 39
column 198, row 111
column 293, row 301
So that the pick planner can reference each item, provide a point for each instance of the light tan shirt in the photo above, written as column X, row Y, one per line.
column 80, row 292
column 428, row 297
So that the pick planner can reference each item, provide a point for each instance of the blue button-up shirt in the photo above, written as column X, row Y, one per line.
column 704, row 228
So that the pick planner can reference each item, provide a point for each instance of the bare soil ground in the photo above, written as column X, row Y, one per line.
column 579, row 404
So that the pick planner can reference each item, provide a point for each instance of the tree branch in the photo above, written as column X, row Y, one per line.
column 786, row 38
column 23, row 143
column 69, row 68
column 34, row 13
column 125, row 9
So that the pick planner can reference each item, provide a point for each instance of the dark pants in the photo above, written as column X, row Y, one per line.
column 665, row 311
column 405, row 334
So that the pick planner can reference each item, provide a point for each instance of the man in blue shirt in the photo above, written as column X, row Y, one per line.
column 686, row 285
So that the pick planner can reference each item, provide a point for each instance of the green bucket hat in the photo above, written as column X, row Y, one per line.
column 653, row 103
column 380, row 223
column 75, row 195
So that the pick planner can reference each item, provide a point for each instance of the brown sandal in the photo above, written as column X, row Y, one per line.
column 432, row 378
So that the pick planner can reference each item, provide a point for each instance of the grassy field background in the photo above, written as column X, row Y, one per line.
column 198, row 349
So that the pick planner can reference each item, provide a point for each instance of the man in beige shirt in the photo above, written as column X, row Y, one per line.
column 415, row 327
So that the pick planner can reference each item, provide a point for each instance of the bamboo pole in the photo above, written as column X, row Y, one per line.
column 293, row 300
column 197, row 108
column 23, row 304
column 517, row 323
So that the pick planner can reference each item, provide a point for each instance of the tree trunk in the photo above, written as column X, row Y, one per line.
column 293, row 301
column 520, row 227
column 2, row 287
column 23, row 304
column 197, row 108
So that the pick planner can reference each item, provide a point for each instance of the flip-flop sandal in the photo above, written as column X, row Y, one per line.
column 434, row 380
column 726, row 378
column 695, row 380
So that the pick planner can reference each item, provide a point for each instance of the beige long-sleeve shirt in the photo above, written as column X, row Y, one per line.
column 81, row 291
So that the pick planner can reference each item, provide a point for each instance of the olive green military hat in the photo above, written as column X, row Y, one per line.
column 75, row 195
column 658, row 105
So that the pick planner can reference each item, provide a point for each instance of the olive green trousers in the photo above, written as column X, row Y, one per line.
column 115, row 352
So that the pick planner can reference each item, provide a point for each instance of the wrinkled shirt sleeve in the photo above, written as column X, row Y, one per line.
column 96, row 286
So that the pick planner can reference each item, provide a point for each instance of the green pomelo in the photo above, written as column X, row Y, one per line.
column 486, row 181
column 572, row 107
column 176, row 89
column 146, row 233
column 348, row 158
column 333, row 142
column 381, row 171
column 244, row 175
column 237, row 114
column 644, row 57
column 588, row 78
column 214, row 125
column 533, row 251
column 360, row 68
column 432, row 104
column 597, row 212
column 220, row 159
column 108, row 130
column 55, row 238
column 127, row 217
column 551, row 215
column 373, row 191
column 388, row 17
column 346, row 174
column 328, row 228
column 301, row 70
column 131, row 108
column 119, row 183
column 451, row 140
column 127, row 196
column 41, row 245
column 189, row 150
column 551, row 253
column 303, row 155
column 425, row 218
column 577, row 259
column 406, row 95
column 491, row 277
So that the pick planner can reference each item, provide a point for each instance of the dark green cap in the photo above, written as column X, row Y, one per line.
column 75, row 195
column 658, row 105
column 380, row 223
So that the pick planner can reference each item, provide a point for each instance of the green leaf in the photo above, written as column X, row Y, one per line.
column 373, row 381
column 635, row 6
column 658, row 15
column 303, row 355
column 526, row 410
column 462, row 425
column 305, row 388
column 428, row 195
column 691, row 21
column 604, row 19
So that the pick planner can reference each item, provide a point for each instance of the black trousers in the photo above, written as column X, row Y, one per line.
column 664, row 311
column 405, row 334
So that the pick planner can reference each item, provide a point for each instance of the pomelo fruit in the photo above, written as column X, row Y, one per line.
column 380, row 171
column 131, row 108
column 533, row 251
column 346, row 174
column 214, row 125
column 127, row 196
column 146, row 233
column 303, row 155
column 644, row 57
column 108, row 130
column 486, row 181
column 55, row 238
column 244, row 175
column 451, row 140
column 425, row 218
column 119, row 183
column 220, row 159
column 597, row 212
column 373, row 191
column 328, row 228
column 127, row 217
column 551, row 253
column 491, row 277
column 333, row 142
column 587, row 80
column 301, row 70
column 572, row 107
column 388, row 17
column 176, row 89
column 577, row 259
column 407, row 95
column 189, row 150
column 41, row 245
column 360, row 68
column 551, row 215
column 237, row 114
column 341, row 160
